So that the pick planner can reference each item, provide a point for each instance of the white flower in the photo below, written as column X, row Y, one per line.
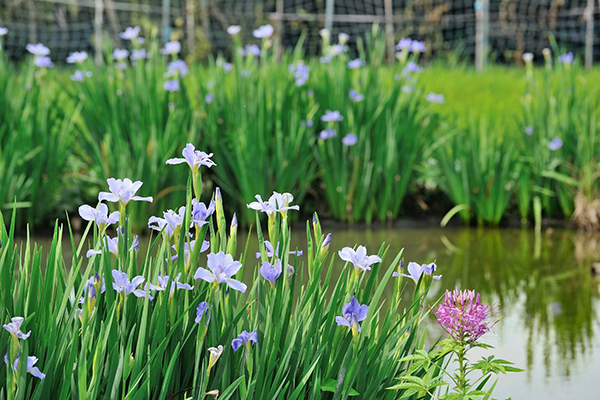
column 234, row 29
column 263, row 32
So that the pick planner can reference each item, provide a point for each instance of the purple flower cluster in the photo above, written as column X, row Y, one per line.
column 463, row 316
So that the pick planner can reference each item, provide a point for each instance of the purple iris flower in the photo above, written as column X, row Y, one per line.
column 92, row 286
column 418, row 47
column 123, row 191
column 408, row 88
column 186, row 249
column 271, row 271
column 38, row 50
column 171, row 222
column 99, row 215
column 244, row 338
column 3, row 31
column 172, row 47
column 171, row 85
column 14, row 328
column 130, row 33
column 301, row 73
column 355, row 64
column 415, row 271
column 326, row 59
column 251, row 49
column 221, row 268
column 328, row 133
column 263, row 32
column 350, row 139
column 200, row 310
column 201, row 213
column 435, row 98
column 566, row 58
column 275, row 252
column 412, row 67
column 43, row 62
column 326, row 241
column 555, row 144
column 120, row 54
column 164, row 281
column 404, row 44
column 122, row 284
column 355, row 96
column 208, row 99
column 77, row 76
column 194, row 158
column 529, row 130
column 177, row 66
column 307, row 123
column 359, row 258
column 278, row 202
column 31, row 368
column 139, row 54
column 332, row 116
column 353, row 312
column 113, row 246
column 77, row 57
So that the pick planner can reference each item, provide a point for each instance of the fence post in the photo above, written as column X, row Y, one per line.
column 166, row 20
column 589, row 34
column 190, row 25
column 205, row 19
column 329, row 7
column 389, row 29
column 98, row 19
column 31, row 21
column 482, row 19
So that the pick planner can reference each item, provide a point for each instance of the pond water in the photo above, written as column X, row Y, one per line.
column 543, row 284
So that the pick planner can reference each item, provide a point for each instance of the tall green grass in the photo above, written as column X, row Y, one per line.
column 126, row 347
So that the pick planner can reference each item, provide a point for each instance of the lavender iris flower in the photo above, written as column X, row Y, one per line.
column 353, row 312
column 43, row 62
column 201, row 213
column 171, row 85
column 332, row 116
column 301, row 73
column 566, row 58
column 77, row 57
column 120, row 54
column 194, row 158
column 275, row 252
column 263, row 32
column 359, row 258
column 307, row 123
column 112, row 245
column 14, row 328
column 175, row 67
column 38, row 50
column 326, row 59
column 221, row 268
column 3, row 31
column 555, row 144
column 77, row 76
column 404, row 44
column 529, row 130
column 328, row 133
column 31, row 368
column 99, row 215
column 412, row 67
column 172, row 48
column 244, row 338
column 130, row 33
column 278, row 202
column 355, row 64
column 208, row 98
column 139, row 54
column 123, row 191
column 350, row 139
column 234, row 29
column 355, row 96
column 271, row 271
column 251, row 50
column 187, row 252
column 435, row 98
column 200, row 310
column 122, row 284
column 171, row 222
column 418, row 47
column 415, row 271
column 410, row 45
column 162, row 283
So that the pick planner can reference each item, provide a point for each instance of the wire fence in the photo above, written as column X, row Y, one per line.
column 477, row 30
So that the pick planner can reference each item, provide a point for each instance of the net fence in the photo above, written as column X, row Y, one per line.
column 511, row 27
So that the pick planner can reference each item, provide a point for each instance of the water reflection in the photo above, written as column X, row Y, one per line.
column 543, row 284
